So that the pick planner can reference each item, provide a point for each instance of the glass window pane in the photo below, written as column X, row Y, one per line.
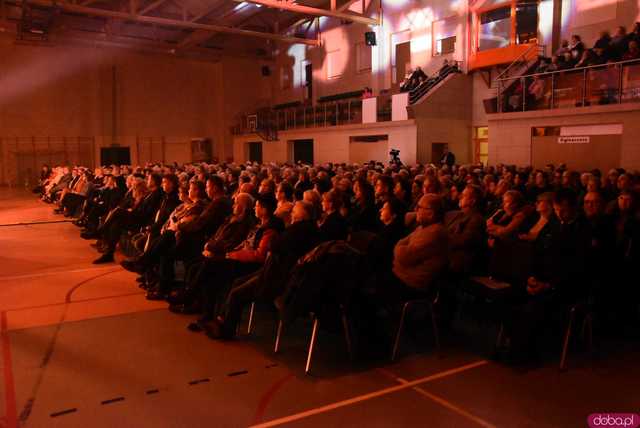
column 527, row 22
column 495, row 29
column 631, row 83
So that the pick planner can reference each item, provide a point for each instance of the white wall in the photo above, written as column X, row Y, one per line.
column 333, row 144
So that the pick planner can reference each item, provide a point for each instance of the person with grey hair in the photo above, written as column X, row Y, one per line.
column 268, row 283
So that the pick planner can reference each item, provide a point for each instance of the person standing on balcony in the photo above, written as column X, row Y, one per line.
column 576, row 48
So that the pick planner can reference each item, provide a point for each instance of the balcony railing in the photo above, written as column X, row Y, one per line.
column 336, row 113
column 612, row 83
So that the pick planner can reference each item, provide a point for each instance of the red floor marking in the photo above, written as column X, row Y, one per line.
column 67, row 298
column 90, row 299
column 11, row 415
column 267, row 397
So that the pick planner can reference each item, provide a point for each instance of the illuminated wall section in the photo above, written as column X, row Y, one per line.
column 588, row 17
column 338, row 65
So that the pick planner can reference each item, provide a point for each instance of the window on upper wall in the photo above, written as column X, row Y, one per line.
column 363, row 57
column 286, row 75
column 495, row 29
column 527, row 21
column 444, row 36
column 335, row 64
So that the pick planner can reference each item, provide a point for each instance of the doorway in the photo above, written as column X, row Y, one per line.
column 308, row 81
column 437, row 150
column 481, row 145
column 115, row 156
column 403, row 61
column 255, row 152
column 301, row 151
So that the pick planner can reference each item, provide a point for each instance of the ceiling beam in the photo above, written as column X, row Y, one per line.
column 301, row 21
column 151, row 6
column 198, row 37
column 169, row 22
column 208, row 11
column 308, row 10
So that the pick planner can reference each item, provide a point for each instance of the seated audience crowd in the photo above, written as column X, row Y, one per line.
column 368, row 236
column 622, row 46
column 536, row 90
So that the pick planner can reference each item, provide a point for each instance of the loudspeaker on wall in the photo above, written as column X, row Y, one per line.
column 370, row 38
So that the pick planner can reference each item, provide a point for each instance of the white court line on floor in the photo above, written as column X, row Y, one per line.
column 368, row 396
column 56, row 272
column 445, row 403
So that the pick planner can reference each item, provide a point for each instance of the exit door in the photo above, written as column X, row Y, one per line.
column 255, row 152
column 302, row 151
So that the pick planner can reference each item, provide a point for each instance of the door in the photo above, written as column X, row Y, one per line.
column 403, row 61
column 481, row 145
column 437, row 150
column 255, row 152
column 308, row 81
column 303, row 151
column 115, row 156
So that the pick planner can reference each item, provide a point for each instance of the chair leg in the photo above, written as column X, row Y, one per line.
column 567, row 337
column 312, row 342
column 347, row 335
column 276, row 348
column 399, row 334
column 251, row 311
column 589, row 331
column 436, row 331
column 500, row 339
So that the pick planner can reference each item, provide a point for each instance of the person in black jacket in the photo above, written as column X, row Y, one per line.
column 215, row 276
column 170, row 202
column 297, row 240
column 558, row 277
column 192, row 236
column 364, row 216
column 140, row 215
column 332, row 225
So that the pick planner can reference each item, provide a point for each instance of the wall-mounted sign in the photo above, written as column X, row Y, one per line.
column 574, row 140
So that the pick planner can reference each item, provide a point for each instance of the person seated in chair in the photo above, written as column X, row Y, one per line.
column 231, row 234
column 506, row 222
column 267, row 284
column 147, row 201
column 557, row 279
column 420, row 259
column 216, row 276
column 332, row 225
column 166, row 242
column 466, row 232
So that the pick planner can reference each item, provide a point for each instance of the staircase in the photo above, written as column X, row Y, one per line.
column 421, row 91
column 523, row 65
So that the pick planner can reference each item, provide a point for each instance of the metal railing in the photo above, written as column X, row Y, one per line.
column 425, row 87
column 611, row 83
column 522, row 59
column 322, row 115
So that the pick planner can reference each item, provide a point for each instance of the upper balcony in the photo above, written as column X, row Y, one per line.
column 612, row 83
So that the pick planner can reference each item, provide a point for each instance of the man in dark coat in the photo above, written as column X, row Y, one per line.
column 269, row 282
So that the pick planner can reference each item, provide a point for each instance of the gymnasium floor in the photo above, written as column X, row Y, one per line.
column 81, row 347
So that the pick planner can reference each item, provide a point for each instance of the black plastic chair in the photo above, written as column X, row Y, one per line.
column 429, row 304
column 314, row 336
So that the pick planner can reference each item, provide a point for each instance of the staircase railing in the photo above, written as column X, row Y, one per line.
column 523, row 58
